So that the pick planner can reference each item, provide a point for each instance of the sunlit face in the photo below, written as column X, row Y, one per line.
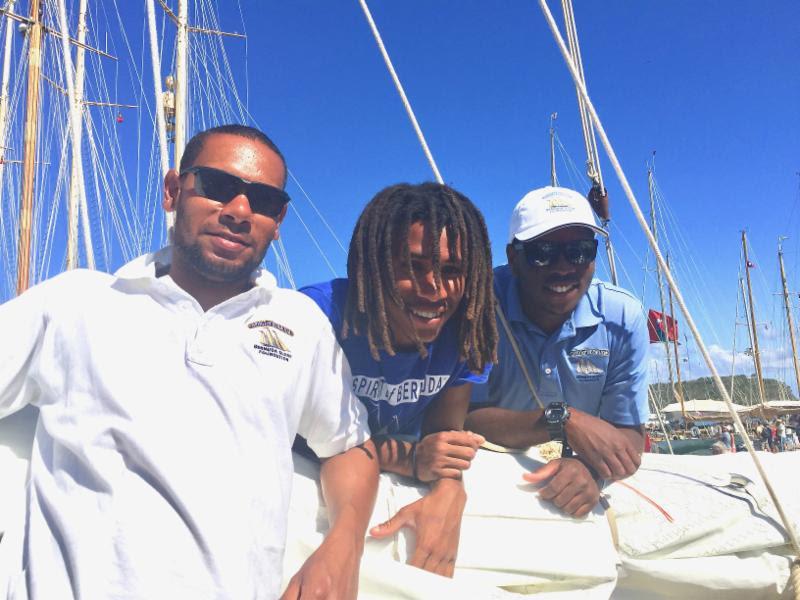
column 549, row 294
column 424, row 312
column 216, row 242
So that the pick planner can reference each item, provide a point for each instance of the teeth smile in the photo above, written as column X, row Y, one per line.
column 560, row 289
column 425, row 314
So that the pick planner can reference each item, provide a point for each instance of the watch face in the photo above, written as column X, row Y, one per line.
column 555, row 414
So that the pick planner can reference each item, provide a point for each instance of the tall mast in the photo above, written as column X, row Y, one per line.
column 787, row 303
column 553, row 177
column 181, row 82
column 4, row 98
column 661, row 292
column 161, row 125
column 679, row 387
column 29, row 146
column 77, row 198
column 753, row 327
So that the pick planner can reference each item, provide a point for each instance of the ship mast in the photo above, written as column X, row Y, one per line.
column 679, row 387
column 77, row 197
column 788, row 306
column 654, row 230
column 4, row 99
column 181, row 81
column 34, row 32
column 753, row 328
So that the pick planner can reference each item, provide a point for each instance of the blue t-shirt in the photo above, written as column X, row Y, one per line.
column 397, row 390
column 596, row 362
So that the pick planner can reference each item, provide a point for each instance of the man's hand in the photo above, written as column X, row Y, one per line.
column 571, row 487
column 331, row 572
column 436, row 520
column 446, row 454
column 612, row 452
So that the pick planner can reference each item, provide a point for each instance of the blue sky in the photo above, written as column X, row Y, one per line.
column 712, row 87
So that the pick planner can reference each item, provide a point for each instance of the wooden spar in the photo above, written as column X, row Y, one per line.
column 553, row 178
column 4, row 99
column 161, row 124
column 661, row 293
column 790, row 322
column 181, row 81
column 753, row 327
column 29, row 147
column 679, row 386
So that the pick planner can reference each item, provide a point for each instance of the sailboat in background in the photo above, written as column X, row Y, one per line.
column 88, row 168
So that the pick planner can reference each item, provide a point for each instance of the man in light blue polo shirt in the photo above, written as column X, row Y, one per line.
column 584, row 344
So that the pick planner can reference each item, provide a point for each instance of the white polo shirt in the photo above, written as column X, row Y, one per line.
column 162, row 464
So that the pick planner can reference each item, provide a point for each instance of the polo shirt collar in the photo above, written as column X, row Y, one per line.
column 144, row 269
column 587, row 313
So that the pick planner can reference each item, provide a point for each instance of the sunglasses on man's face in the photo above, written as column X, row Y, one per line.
column 221, row 186
column 543, row 254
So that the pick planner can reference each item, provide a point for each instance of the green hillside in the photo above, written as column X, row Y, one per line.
column 745, row 390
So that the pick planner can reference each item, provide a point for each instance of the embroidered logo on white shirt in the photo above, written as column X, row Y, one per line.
column 270, row 342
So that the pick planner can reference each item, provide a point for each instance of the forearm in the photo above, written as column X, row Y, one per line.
column 395, row 456
column 509, row 428
column 634, row 434
column 349, row 485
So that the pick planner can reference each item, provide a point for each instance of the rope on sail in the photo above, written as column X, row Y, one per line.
column 671, row 281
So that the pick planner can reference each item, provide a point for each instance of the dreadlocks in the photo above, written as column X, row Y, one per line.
column 382, row 229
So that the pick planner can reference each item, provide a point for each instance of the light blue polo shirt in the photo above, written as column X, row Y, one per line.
column 596, row 362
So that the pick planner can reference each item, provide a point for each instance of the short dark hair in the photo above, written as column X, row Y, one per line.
column 196, row 144
column 388, row 217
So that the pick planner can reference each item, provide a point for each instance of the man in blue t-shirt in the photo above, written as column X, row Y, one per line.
column 418, row 329
column 584, row 344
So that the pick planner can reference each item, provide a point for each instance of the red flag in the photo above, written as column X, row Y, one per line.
column 661, row 327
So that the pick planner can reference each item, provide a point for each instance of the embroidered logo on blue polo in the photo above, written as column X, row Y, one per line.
column 270, row 343
column 409, row 390
column 583, row 352
column 584, row 362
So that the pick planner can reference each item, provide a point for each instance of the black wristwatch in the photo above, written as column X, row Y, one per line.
column 556, row 416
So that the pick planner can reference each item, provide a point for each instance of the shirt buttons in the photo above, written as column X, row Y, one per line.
column 548, row 370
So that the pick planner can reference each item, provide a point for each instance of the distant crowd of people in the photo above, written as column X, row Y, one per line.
column 778, row 436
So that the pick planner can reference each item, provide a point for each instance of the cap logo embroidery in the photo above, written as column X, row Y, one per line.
column 558, row 205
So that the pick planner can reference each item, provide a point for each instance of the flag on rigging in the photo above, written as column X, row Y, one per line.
column 661, row 327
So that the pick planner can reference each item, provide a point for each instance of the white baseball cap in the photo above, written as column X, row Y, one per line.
column 548, row 209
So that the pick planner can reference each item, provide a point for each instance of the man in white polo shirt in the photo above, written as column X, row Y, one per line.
column 169, row 395
column 584, row 344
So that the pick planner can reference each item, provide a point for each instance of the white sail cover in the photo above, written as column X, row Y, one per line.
column 724, row 538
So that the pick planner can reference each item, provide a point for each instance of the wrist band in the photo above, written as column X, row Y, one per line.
column 414, row 461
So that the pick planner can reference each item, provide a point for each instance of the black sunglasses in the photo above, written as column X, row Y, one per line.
column 543, row 254
column 221, row 186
